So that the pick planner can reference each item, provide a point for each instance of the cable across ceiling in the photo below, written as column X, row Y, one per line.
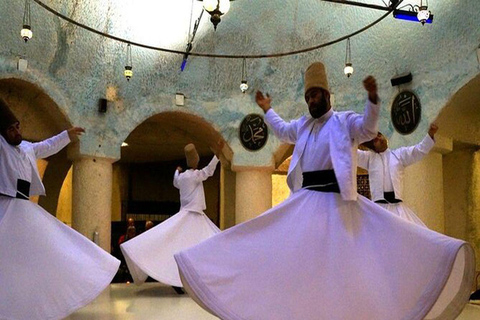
column 389, row 9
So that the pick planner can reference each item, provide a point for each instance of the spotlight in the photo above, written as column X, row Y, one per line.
column 411, row 16
column 423, row 15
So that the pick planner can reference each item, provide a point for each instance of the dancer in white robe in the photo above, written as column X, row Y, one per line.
column 325, row 252
column 386, row 169
column 151, row 253
column 47, row 269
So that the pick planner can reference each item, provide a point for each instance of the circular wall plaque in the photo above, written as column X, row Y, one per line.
column 406, row 112
column 253, row 132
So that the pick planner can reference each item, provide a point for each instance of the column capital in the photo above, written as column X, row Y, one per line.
column 74, row 154
column 268, row 169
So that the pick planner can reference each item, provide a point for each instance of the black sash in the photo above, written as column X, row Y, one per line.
column 322, row 181
column 23, row 190
column 389, row 198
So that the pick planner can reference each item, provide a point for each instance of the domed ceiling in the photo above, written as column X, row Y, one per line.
column 84, row 64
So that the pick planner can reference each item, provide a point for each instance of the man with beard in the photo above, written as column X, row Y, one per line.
column 386, row 169
column 326, row 253
column 47, row 269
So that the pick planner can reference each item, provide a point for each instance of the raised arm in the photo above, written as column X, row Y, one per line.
column 51, row 146
column 175, row 177
column 286, row 132
column 410, row 155
column 208, row 171
column 365, row 127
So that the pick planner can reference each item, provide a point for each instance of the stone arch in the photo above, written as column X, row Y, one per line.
column 172, row 130
column 158, row 142
column 459, row 121
column 41, row 117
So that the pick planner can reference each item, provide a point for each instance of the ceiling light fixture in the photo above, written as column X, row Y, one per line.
column 26, row 32
column 128, row 73
column 216, row 9
column 348, row 70
column 244, row 84
column 416, row 13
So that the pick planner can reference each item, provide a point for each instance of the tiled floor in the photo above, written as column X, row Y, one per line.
column 146, row 302
column 155, row 301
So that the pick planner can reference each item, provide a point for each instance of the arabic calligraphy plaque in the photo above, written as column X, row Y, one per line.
column 406, row 112
column 253, row 132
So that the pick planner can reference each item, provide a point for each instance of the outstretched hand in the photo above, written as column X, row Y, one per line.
column 218, row 147
column 370, row 84
column 432, row 130
column 263, row 102
column 73, row 132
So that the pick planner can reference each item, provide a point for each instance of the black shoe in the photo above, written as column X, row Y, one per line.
column 178, row 290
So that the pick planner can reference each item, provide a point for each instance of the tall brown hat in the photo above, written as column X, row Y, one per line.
column 192, row 155
column 316, row 77
column 7, row 118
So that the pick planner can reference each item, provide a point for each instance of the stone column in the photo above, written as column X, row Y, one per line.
column 253, row 193
column 92, row 198
column 227, row 198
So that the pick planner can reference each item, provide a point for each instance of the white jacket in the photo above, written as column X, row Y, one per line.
column 350, row 129
column 190, row 184
column 33, row 151
column 397, row 159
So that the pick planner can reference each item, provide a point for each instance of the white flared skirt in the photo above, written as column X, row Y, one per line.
column 403, row 211
column 315, row 256
column 151, row 253
column 47, row 269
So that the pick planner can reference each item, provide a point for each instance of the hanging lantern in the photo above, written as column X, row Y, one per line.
column 423, row 13
column 244, row 84
column 128, row 73
column 216, row 9
column 26, row 32
column 348, row 70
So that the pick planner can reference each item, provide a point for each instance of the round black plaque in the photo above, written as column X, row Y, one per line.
column 253, row 132
column 406, row 112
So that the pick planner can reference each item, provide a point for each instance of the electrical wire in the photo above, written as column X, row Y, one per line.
column 227, row 56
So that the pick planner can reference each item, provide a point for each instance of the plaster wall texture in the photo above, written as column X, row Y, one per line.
column 457, row 183
column 423, row 187
column 75, row 67
column 462, row 203
column 253, row 193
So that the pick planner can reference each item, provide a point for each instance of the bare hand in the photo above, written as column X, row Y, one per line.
column 179, row 169
column 370, row 84
column 73, row 132
column 262, row 101
column 217, row 149
column 432, row 130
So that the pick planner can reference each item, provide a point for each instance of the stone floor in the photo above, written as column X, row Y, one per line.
column 155, row 301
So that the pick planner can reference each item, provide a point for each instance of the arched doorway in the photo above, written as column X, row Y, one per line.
column 143, row 176
column 459, row 120
column 40, row 118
